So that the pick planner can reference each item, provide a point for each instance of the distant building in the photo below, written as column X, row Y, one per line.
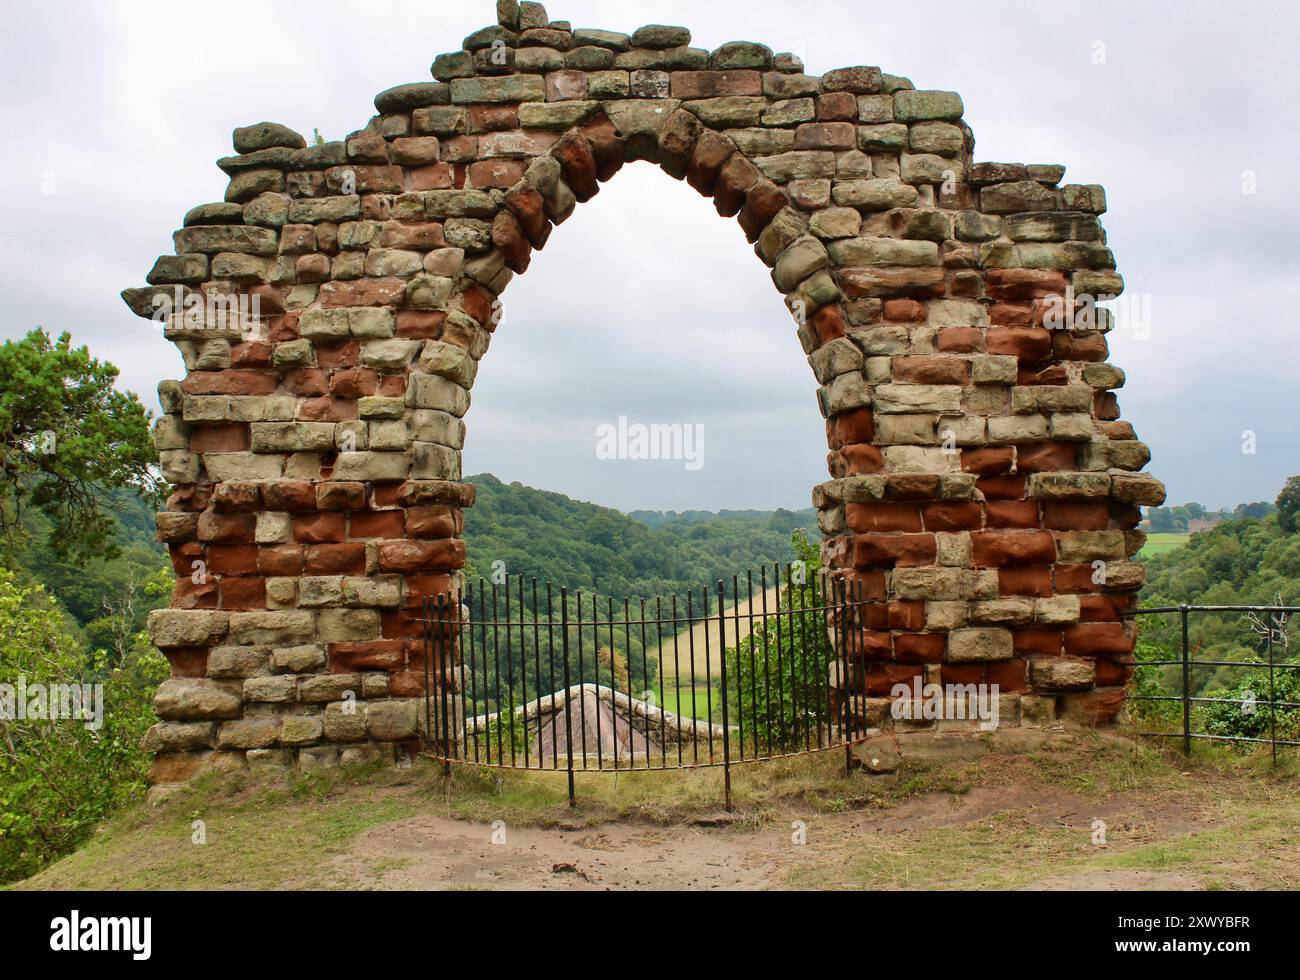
column 1199, row 524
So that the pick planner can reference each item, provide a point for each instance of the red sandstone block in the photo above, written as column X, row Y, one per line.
column 188, row 594
column 335, row 559
column 880, row 679
column 411, row 557
column 251, row 354
column 1069, row 515
column 232, row 559
column 327, row 410
column 188, row 661
column 1010, row 676
column 837, row 107
column 1008, row 487
column 319, row 528
column 1030, row 581
column 231, row 438
column 281, row 562
column 406, row 684
column 763, row 203
column 960, row 340
column 401, row 624
column 1024, row 284
column 229, row 382
column 392, row 386
column 335, row 357
column 306, row 382
column 709, row 84
column 433, row 586
column 363, row 292
column 348, row 658
column 965, row 515
column 377, row 524
column 902, row 310
column 1031, row 343
column 1072, row 579
column 1047, row 457
column 920, row 648
column 906, row 615
column 1099, row 707
column 1048, row 642
column 1069, row 346
column 239, row 496
column 420, row 325
column 894, row 550
column 282, row 329
column 433, row 522
column 1053, row 374
column 1113, row 673
column 502, row 174
column 289, row 495
column 1012, row 315
column 608, row 147
column 354, row 383
column 243, row 593
column 1012, row 513
column 735, row 179
column 962, row 674
column 992, row 549
column 492, row 118
column 434, row 177
column 931, row 370
column 865, row 518
column 828, row 324
column 987, row 462
column 851, row 428
column 1099, row 609
column 863, row 586
column 1098, row 640
column 183, row 557
column 340, row 496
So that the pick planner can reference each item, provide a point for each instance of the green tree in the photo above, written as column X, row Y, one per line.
column 68, row 438
column 1288, row 505
column 59, row 778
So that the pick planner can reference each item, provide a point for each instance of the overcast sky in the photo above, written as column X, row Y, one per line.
column 646, row 304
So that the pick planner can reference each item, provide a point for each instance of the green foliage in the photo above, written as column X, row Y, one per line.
column 581, row 545
column 1288, row 506
column 1253, row 718
column 58, row 778
column 790, row 644
column 67, row 437
column 1174, row 520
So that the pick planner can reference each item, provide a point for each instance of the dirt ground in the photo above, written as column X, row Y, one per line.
column 432, row 852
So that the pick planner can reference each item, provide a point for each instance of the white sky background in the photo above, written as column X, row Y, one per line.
column 646, row 304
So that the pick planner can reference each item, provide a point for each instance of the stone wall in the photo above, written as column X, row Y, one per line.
column 983, row 492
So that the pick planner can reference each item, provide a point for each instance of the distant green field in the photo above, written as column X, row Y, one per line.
column 1160, row 544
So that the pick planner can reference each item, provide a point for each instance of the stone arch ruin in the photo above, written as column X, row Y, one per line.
column 333, row 311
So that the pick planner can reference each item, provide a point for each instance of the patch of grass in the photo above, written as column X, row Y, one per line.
column 1162, row 544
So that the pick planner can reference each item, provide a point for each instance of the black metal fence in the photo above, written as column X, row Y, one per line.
column 1268, row 627
column 520, row 675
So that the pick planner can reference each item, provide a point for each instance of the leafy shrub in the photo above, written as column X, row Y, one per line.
column 794, row 644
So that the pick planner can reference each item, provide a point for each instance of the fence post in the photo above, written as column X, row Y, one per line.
column 568, row 710
column 1187, row 686
column 845, row 668
column 726, row 730
column 1272, row 697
